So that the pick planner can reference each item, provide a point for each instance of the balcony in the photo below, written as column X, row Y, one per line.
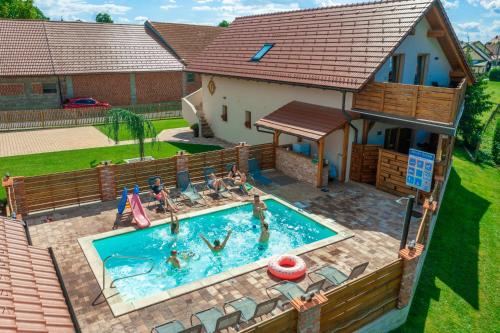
column 434, row 104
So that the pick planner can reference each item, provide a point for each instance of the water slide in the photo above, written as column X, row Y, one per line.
column 138, row 212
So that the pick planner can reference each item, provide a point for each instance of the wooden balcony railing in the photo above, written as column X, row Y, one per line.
column 420, row 102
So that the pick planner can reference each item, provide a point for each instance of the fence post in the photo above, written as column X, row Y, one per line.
column 243, row 156
column 309, row 309
column 410, row 258
column 18, row 194
column 182, row 162
column 107, row 185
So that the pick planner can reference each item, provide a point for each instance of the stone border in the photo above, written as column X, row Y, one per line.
column 119, row 307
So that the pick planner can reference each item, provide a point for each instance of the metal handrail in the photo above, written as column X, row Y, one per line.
column 117, row 256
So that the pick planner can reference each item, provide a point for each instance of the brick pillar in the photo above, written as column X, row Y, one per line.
column 309, row 313
column 410, row 260
column 107, row 183
column 18, row 202
column 182, row 161
column 243, row 156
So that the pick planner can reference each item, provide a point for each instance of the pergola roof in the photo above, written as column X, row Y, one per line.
column 309, row 121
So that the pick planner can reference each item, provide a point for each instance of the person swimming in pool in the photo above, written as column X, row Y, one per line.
column 174, row 224
column 258, row 206
column 217, row 245
column 173, row 260
column 264, row 230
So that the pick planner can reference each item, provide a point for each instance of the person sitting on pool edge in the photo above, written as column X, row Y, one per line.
column 173, row 259
column 258, row 206
column 217, row 245
column 264, row 230
column 174, row 224
column 238, row 178
column 162, row 195
column 215, row 183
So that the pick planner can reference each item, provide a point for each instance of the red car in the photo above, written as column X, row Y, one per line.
column 84, row 102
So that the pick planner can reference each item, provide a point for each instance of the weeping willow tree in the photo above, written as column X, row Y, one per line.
column 137, row 125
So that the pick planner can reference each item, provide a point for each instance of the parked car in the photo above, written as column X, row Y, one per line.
column 84, row 102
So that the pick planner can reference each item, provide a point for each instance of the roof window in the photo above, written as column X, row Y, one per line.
column 262, row 52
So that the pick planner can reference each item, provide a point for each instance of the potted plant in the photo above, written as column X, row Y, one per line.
column 196, row 129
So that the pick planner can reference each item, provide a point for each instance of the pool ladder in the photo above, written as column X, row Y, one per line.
column 112, row 284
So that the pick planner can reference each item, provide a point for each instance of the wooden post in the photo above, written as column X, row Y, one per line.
column 345, row 146
column 276, row 138
column 366, row 129
column 321, row 154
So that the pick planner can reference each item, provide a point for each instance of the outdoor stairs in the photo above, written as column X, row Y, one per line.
column 206, row 131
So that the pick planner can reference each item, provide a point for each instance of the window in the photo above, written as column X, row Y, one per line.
column 85, row 101
column 224, row 113
column 421, row 70
column 396, row 63
column 189, row 77
column 248, row 119
column 262, row 52
column 49, row 88
column 398, row 139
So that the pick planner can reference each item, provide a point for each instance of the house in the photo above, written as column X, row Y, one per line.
column 186, row 41
column 479, row 56
column 42, row 63
column 387, row 73
column 493, row 47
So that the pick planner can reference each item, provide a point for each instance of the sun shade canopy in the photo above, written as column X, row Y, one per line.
column 309, row 121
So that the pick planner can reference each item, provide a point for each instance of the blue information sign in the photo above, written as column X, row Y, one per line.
column 420, row 168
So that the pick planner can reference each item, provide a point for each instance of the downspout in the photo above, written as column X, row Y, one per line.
column 349, row 118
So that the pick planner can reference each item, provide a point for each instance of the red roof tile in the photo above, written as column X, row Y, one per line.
column 187, row 40
column 338, row 47
column 79, row 47
column 305, row 120
column 30, row 294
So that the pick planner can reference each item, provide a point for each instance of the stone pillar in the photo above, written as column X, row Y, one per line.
column 182, row 161
column 309, row 313
column 18, row 191
column 107, row 183
column 243, row 156
column 410, row 261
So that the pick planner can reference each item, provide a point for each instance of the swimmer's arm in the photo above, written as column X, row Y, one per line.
column 227, row 238
column 207, row 242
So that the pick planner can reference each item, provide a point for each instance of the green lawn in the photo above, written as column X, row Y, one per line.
column 494, row 91
column 459, row 287
column 39, row 164
column 159, row 125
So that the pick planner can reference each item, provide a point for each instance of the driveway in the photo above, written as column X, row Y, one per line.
column 48, row 140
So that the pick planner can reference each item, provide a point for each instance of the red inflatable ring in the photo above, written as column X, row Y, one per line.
column 287, row 267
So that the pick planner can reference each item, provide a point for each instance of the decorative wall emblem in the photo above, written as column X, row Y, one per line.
column 211, row 86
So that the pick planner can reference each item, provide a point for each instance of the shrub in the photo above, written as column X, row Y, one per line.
column 196, row 129
column 495, row 148
column 495, row 74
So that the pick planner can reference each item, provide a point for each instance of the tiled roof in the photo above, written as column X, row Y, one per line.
column 337, row 47
column 31, row 299
column 305, row 120
column 187, row 40
column 79, row 47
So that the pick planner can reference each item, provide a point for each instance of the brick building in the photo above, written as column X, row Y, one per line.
column 42, row 63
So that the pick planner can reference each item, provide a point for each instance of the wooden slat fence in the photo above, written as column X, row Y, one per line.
column 364, row 160
column 421, row 102
column 61, row 189
column 285, row 322
column 391, row 172
column 218, row 159
column 265, row 154
column 46, row 118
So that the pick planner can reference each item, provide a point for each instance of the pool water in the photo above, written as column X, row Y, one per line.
column 289, row 229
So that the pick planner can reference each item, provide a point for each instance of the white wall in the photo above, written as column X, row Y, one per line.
column 412, row 46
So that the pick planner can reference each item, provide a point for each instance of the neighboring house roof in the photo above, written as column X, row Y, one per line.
column 333, row 47
column 80, row 47
column 186, row 40
column 477, row 50
column 481, row 46
column 32, row 299
column 309, row 121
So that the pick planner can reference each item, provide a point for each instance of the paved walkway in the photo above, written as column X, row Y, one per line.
column 50, row 140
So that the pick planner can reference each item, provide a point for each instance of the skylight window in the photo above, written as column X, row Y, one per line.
column 262, row 52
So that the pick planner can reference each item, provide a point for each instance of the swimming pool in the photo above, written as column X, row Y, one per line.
column 290, row 230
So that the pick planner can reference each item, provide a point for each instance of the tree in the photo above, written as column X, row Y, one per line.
column 20, row 9
column 477, row 101
column 223, row 24
column 103, row 18
column 137, row 125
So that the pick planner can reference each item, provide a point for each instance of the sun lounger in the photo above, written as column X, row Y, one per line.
column 255, row 172
column 290, row 290
column 214, row 319
column 245, row 188
column 207, row 171
column 176, row 326
column 187, row 189
column 250, row 309
column 336, row 277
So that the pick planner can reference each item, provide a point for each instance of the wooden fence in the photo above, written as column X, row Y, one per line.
column 349, row 306
column 47, row 118
column 391, row 172
column 364, row 161
column 37, row 193
column 421, row 102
